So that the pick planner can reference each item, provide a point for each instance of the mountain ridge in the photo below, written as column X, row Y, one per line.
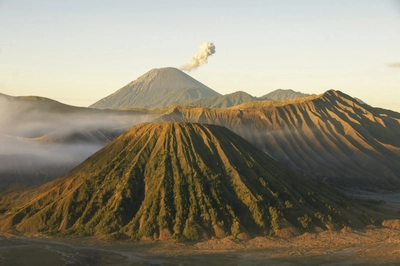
column 331, row 137
column 223, row 101
column 281, row 94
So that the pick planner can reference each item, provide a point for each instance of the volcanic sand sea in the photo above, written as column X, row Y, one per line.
column 372, row 246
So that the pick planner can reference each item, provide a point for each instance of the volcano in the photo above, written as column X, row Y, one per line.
column 184, row 181
column 160, row 87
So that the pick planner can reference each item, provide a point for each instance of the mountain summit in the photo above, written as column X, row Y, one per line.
column 159, row 87
column 179, row 180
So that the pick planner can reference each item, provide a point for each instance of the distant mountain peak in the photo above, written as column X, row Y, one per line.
column 281, row 94
column 159, row 87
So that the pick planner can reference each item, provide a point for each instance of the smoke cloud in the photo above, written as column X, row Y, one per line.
column 394, row 65
column 199, row 59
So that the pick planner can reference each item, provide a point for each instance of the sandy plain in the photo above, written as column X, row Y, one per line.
column 372, row 246
column 369, row 246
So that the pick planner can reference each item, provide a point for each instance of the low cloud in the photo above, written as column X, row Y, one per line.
column 394, row 65
column 40, row 141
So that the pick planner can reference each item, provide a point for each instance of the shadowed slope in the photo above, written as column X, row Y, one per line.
column 179, row 180
column 330, row 137
column 157, row 88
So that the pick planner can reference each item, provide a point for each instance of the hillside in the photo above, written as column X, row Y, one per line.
column 263, row 104
column 330, row 137
column 182, row 181
column 223, row 101
column 280, row 94
column 159, row 87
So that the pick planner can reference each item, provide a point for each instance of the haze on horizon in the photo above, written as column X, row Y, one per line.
column 79, row 52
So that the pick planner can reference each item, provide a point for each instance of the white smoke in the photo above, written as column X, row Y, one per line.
column 199, row 59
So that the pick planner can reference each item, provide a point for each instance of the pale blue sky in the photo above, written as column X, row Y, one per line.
column 79, row 51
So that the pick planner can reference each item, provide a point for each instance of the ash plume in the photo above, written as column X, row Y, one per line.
column 199, row 59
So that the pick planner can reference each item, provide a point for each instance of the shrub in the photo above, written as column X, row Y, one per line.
column 274, row 218
column 304, row 220
column 320, row 216
column 190, row 232
column 235, row 228
column 288, row 204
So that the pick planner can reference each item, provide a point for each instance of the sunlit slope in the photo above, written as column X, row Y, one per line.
column 330, row 136
column 159, row 87
column 180, row 180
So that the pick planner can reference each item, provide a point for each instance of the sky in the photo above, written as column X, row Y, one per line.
column 79, row 51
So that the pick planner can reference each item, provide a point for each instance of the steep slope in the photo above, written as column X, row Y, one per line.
column 224, row 101
column 179, row 180
column 331, row 137
column 157, row 88
column 280, row 94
